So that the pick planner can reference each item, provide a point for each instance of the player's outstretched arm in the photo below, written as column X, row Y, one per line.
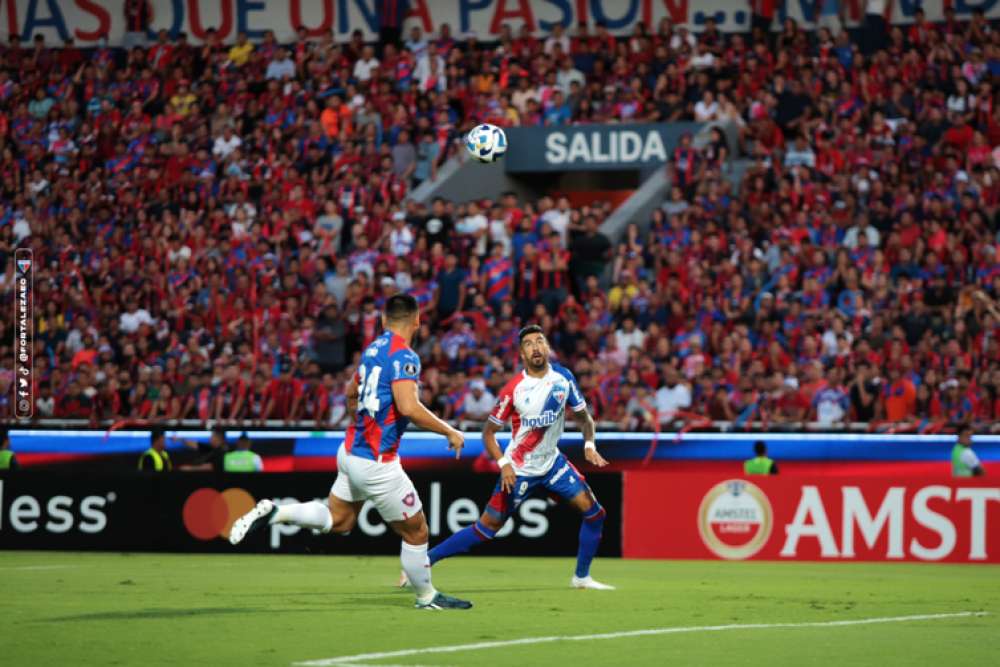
column 407, row 400
column 589, row 431
column 508, row 478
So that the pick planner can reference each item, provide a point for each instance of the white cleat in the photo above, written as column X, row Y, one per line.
column 252, row 521
column 589, row 582
column 404, row 581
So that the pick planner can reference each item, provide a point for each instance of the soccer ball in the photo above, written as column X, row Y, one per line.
column 486, row 143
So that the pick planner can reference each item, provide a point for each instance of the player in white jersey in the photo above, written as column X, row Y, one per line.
column 535, row 402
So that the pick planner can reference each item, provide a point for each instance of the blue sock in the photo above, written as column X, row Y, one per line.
column 461, row 542
column 590, row 538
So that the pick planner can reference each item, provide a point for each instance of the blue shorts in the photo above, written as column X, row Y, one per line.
column 562, row 479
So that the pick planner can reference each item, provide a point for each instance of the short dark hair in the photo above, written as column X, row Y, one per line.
column 760, row 448
column 156, row 433
column 400, row 307
column 527, row 331
column 3, row 437
column 219, row 430
column 966, row 428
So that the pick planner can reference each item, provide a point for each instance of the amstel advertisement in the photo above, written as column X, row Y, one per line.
column 824, row 519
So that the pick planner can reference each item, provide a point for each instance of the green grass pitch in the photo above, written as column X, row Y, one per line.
column 140, row 609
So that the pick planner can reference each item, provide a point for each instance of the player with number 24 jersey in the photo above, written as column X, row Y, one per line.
column 378, row 426
column 386, row 393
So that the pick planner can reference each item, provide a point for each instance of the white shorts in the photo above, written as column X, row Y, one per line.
column 385, row 484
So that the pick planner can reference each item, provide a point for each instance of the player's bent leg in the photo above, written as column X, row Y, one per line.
column 498, row 509
column 464, row 540
column 343, row 514
column 591, row 529
column 339, row 517
column 257, row 518
column 314, row 515
column 416, row 566
column 397, row 501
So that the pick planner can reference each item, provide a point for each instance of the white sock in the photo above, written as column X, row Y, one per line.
column 418, row 570
column 315, row 515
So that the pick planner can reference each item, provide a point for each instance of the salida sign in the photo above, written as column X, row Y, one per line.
column 771, row 518
column 593, row 147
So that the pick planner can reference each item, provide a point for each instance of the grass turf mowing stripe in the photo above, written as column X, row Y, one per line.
column 343, row 661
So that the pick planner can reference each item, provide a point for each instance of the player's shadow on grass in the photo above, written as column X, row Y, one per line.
column 401, row 597
column 382, row 600
column 156, row 614
column 508, row 589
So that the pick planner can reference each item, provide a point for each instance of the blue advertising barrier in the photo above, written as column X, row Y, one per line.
column 691, row 446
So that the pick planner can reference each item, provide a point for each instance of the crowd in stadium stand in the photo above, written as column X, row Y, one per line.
column 214, row 226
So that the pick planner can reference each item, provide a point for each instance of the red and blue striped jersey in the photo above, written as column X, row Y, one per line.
column 378, row 426
column 423, row 293
column 499, row 279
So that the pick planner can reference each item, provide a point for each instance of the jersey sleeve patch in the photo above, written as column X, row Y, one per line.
column 405, row 366
column 575, row 400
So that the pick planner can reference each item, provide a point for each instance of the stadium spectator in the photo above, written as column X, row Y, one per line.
column 242, row 459
column 451, row 288
column 590, row 252
column 281, row 67
column 478, row 402
column 130, row 321
column 964, row 462
column 240, row 53
column 366, row 65
column 760, row 464
column 156, row 458
column 672, row 397
column 831, row 404
column 329, row 339
column 8, row 460
column 211, row 454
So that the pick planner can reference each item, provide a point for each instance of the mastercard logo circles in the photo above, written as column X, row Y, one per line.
column 209, row 514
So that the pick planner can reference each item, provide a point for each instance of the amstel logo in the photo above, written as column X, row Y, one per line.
column 209, row 514
column 735, row 519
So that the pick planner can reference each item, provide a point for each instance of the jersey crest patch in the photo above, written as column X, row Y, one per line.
column 559, row 395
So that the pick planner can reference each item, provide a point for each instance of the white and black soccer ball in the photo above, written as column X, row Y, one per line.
column 486, row 143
